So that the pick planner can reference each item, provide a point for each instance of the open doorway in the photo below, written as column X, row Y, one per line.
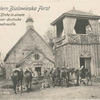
column 86, row 62
column 38, row 70
column 82, row 62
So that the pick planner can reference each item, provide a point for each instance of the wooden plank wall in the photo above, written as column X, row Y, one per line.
column 69, row 24
column 98, row 53
column 94, row 25
column 70, row 54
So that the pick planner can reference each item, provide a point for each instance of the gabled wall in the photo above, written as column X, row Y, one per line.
column 28, row 42
column 32, row 63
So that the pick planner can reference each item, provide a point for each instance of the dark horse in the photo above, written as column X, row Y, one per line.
column 28, row 79
column 64, row 76
column 17, row 78
column 87, row 77
column 56, row 76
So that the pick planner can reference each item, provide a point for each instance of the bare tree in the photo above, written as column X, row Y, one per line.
column 49, row 37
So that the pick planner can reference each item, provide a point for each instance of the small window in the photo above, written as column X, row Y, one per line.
column 22, row 53
column 37, row 56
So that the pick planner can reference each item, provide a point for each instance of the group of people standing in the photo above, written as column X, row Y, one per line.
column 72, row 75
column 57, row 75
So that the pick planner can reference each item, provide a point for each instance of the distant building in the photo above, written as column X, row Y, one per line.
column 2, row 69
column 77, row 40
column 31, row 51
column 2, row 72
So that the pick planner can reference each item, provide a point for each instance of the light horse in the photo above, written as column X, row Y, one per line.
column 74, row 76
column 17, row 78
column 28, row 79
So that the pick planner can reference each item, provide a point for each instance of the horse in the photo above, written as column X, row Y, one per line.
column 64, row 76
column 87, row 77
column 28, row 79
column 17, row 77
column 55, row 74
column 74, row 76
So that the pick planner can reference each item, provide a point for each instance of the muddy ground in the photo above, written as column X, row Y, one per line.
column 61, row 93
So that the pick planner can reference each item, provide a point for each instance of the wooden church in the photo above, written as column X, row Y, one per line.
column 31, row 51
column 77, row 40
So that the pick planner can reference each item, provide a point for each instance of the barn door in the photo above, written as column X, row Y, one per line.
column 87, row 64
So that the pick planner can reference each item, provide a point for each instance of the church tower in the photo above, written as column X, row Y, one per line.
column 80, row 44
column 29, row 22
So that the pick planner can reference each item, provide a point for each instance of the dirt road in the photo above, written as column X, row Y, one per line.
column 61, row 93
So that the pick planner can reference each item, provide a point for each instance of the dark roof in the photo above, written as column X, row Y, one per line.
column 33, row 51
column 77, row 14
column 28, row 31
column 29, row 20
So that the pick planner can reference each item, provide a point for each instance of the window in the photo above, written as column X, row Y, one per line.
column 38, row 70
column 81, row 25
column 37, row 56
column 59, row 28
column 22, row 53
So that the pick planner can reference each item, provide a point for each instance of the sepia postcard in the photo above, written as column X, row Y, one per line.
column 49, row 50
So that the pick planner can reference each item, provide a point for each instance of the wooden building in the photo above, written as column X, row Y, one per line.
column 77, row 40
column 30, row 51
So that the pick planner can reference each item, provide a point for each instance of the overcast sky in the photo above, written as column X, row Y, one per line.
column 9, row 35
